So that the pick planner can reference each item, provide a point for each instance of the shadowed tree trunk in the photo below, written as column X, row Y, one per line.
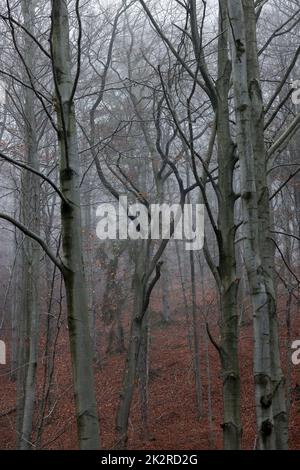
column 136, row 335
column 28, row 339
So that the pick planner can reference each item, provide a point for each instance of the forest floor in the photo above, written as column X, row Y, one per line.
column 173, row 420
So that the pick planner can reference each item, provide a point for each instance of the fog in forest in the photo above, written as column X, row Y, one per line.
column 149, row 225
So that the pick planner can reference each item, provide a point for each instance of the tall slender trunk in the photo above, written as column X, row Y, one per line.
column 195, row 324
column 184, row 295
column 265, row 220
column 74, row 277
column 196, row 340
column 15, row 305
column 261, row 297
column 143, row 374
column 31, row 215
column 135, row 340
column 227, row 282
column 165, row 294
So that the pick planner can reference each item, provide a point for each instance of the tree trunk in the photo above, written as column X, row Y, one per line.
column 227, row 282
column 31, row 215
column 264, row 216
column 196, row 340
column 260, row 295
column 132, row 355
column 165, row 294
column 143, row 375
column 74, row 277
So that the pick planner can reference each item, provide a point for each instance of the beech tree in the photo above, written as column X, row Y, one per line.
column 71, row 265
column 162, row 102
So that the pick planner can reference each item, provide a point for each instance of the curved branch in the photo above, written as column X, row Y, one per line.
column 78, row 51
column 283, row 138
column 178, row 56
column 291, row 235
column 151, row 286
column 284, row 260
column 35, row 237
column 284, row 183
column 36, row 172
column 20, row 25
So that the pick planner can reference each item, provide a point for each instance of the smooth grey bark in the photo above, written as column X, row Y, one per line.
column 74, row 277
column 261, row 293
column 226, row 277
column 264, row 226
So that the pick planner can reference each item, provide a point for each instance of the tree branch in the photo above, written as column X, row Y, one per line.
column 35, row 237
column 36, row 172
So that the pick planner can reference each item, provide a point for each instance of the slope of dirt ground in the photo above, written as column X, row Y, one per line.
column 172, row 404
